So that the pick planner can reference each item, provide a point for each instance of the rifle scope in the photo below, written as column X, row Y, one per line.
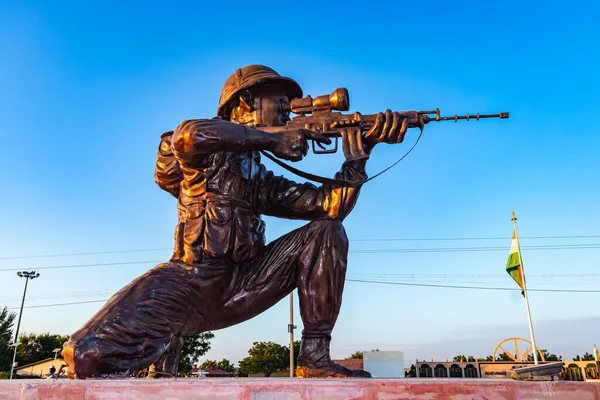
column 338, row 100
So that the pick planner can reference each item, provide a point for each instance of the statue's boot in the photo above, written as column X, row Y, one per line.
column 166, row 366
column 314, row 361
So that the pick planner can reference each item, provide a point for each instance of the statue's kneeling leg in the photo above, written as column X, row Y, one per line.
column 143, row 323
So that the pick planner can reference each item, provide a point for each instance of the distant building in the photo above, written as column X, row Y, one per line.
column 574, row 370
column 582, row 370
column 351, row 363
column 216, row 373
column 438, row 369
column 210, row 373
column 384, row 364
column 41, row 369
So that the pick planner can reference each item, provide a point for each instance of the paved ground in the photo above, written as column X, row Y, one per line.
column 286, row 388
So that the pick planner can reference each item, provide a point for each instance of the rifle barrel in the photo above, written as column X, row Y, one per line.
column 468, row 117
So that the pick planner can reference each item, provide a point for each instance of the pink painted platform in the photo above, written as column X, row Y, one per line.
column 286, row 388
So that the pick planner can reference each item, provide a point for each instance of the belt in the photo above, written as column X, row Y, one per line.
column 209, row 197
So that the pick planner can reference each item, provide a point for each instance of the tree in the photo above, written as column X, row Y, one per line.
column 413, row 371
column 266, row 358
column 6, row 323
column 226, row 365
column 208, row 364
column 586, row 357
column 223, row 365
column 547, row 356
column 504, row 357
column 194, row 347
column 33, row 347
column 463, row 358
column 356, row 356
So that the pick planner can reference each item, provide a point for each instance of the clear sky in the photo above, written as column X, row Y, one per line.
column 86, row 90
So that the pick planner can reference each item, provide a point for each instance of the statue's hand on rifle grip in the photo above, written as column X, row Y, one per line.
column 292, row 144
column 352, row 139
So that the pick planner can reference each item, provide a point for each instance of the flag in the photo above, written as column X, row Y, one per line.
column 513, row 266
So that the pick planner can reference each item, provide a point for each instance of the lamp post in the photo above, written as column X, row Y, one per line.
column 291, row 328
column 27, row 275
column 56, row 351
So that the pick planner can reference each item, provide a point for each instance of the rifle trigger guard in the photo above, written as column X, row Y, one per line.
column 324, row 149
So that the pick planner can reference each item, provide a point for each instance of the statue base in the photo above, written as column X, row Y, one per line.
column 287, row 388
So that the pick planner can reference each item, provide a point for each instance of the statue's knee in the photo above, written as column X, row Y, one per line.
column 332, row 225
column 82, row 361
column 79, row 367
column 68, row 354
column 329, row 229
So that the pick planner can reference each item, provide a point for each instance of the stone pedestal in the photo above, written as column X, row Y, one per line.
column 286, row 388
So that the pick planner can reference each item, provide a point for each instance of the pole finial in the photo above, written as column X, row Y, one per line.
column 513, row 217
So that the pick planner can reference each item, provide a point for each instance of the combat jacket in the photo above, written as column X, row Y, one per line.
column 223, row 189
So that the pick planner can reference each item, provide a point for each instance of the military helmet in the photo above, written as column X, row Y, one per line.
column 246, row 77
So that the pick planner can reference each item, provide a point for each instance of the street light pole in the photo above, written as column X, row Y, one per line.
column 27, row 275
column 291, row 328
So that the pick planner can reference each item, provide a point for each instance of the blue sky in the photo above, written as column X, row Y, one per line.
column 86, row 90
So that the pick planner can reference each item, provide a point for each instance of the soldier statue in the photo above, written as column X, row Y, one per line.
column 221, row 272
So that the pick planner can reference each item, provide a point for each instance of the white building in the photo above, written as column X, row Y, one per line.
column 384, row 364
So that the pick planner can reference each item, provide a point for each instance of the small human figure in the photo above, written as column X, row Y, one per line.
column 52, row 374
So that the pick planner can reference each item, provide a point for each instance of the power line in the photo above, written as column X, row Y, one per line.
column 85, row 254
column 353, row 240
column 63, row 294
column 473, row 287
column 412, row 277
column 473, row 238
column 474, row 275
column 476, row 249
column 88, row 265
column 374, row 282
column 363, row 251
column 552, row 284
column 62, row 304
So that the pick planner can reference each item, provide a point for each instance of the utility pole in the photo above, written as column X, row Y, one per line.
column 27, row 275
column 291, row 328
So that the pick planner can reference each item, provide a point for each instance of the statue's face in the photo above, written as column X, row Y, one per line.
column 270, row 107
column 274, row 108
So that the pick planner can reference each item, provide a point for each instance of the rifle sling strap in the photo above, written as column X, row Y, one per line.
column 330, row 181
column 311, row 177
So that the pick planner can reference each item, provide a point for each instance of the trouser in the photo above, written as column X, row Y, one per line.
column 144, row 322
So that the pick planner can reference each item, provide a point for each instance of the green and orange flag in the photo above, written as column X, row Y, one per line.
column 514, row 266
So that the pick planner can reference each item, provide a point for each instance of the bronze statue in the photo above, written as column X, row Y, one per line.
column 221, row 272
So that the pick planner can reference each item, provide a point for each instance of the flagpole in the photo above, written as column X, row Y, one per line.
column 535, row 355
